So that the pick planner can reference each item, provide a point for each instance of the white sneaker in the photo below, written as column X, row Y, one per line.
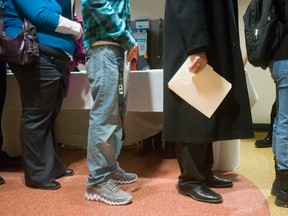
column 109, row 193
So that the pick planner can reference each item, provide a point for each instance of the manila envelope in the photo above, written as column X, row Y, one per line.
column 204, row 91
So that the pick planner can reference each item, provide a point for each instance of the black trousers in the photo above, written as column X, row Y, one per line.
column 3, row 83
column 195, row 162
column 42, row 89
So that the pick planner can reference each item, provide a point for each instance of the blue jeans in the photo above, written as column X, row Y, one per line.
column 104, row 66
column 279, row 71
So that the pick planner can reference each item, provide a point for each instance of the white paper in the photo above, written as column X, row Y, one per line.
column 204, row 91
column 253, row 95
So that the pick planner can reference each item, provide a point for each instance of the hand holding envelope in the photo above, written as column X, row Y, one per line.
column 204, row 91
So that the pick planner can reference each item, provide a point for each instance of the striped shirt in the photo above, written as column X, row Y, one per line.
column 107, row 20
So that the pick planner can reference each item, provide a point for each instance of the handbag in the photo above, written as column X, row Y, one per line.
column 80, row 52
column 24, row 48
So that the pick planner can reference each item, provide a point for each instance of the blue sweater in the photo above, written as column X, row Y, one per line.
column 44, row 14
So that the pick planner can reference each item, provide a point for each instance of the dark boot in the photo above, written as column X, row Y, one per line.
column 282, row 195
column 147, row 147
column 275, row 185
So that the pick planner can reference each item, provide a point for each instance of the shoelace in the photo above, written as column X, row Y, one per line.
column 111, row 186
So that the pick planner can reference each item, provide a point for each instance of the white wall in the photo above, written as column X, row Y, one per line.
column 154, row 9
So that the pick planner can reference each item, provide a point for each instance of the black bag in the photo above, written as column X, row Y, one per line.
column 262, row 33
column 24, row 48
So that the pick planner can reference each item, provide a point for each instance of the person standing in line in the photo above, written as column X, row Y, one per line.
column 267, row 141
column 6, row 161
column 3, row 72
column 43, row 84
column 207, row 32
column 279, row 71
column 107, row 36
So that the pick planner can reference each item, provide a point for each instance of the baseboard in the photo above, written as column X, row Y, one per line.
column 261, row 127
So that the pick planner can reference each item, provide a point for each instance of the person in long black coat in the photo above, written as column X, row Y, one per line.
column 208, row 30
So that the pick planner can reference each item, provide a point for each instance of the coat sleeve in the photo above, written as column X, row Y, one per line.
column 40, row 13
column 192, row 22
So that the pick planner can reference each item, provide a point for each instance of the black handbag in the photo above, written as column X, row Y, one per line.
column 24, row 48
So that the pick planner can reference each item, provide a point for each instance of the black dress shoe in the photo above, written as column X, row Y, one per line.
column 217, row 182
column 264, row 143
column 200, row 193
column 69, row 172
column 2, row 181
column 52, row 185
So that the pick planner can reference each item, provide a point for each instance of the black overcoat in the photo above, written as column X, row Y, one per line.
column 192, row 26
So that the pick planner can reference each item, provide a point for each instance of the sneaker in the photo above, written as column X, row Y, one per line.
column 109, row 193
column 121, row 177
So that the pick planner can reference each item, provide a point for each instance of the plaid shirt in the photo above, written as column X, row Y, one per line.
column 107, row 20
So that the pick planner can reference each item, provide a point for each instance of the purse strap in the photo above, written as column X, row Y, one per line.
column 2, row 28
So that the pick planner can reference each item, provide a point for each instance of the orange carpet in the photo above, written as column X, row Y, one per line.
column 155, row 193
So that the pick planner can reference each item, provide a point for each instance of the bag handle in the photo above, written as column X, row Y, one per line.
column 2, row 29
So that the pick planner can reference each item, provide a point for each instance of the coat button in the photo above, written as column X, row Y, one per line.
column 234, row 44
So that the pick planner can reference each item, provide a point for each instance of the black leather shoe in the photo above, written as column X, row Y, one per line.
column 53, row 185
column 200, row 193
column 217, row 182
column 264, row 143
column 69, row 172
column 2, row 181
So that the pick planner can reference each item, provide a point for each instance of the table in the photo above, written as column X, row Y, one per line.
column 144, row 117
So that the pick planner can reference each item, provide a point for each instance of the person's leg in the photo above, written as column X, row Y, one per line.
column 211, row 180
column 267, row 141
column 191, row 158
column 104, row 66
column 147, row 147
column 39, row 91
column 105, row 126
column 275, row 186
column 158, row 147
column 280, row 134
column 3, row 80
column 5, row 160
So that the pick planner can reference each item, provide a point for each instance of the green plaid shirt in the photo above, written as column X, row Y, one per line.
column 107, row 20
